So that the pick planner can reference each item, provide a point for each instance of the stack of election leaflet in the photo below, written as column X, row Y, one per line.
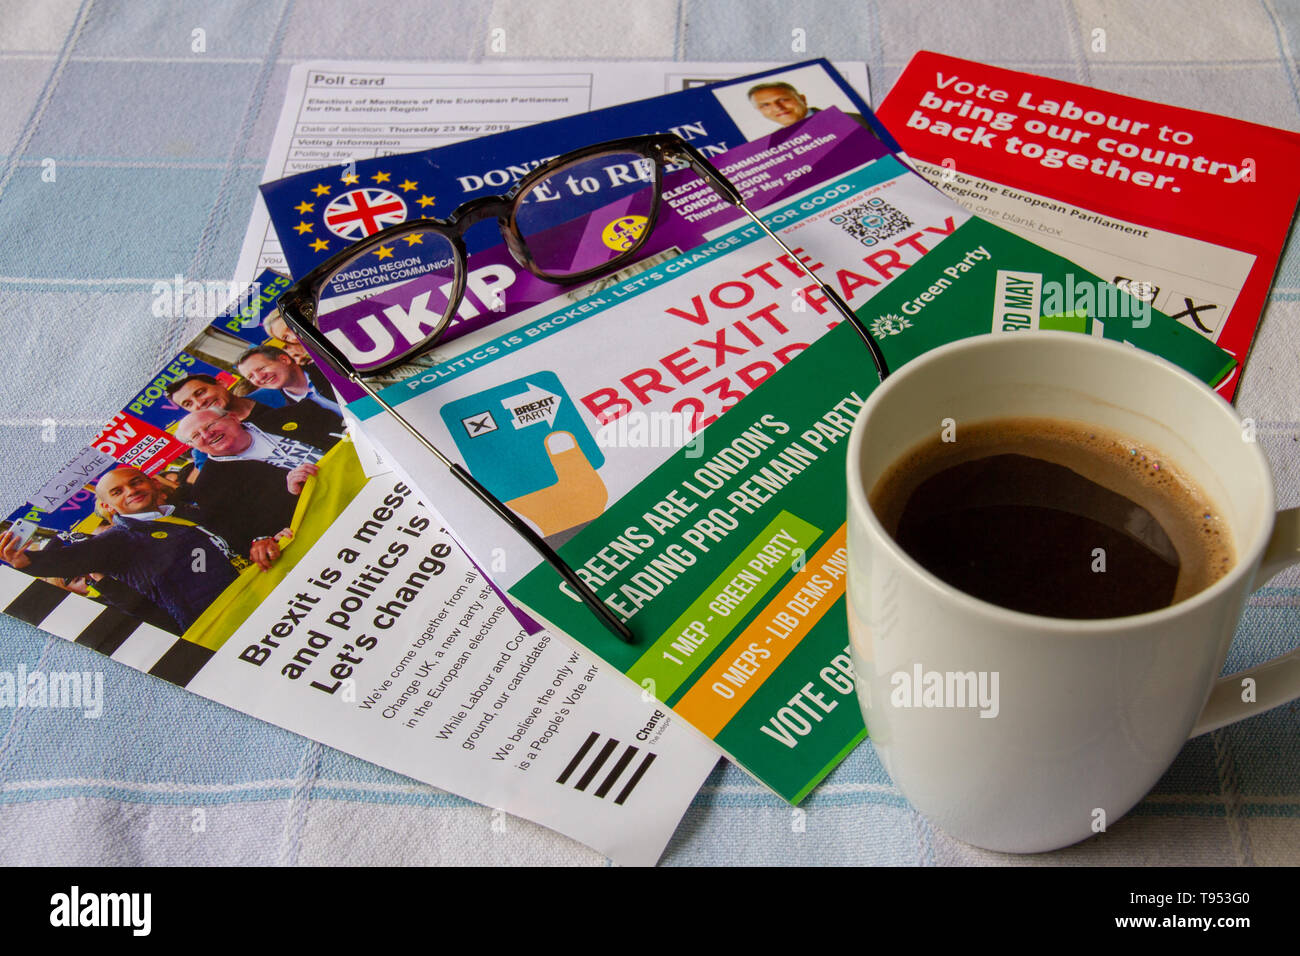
column 226, row 532
column 1187, row 210
column 678, row 431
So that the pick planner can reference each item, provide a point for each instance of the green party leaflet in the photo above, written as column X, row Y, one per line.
column 729, row 560
column 984, row 279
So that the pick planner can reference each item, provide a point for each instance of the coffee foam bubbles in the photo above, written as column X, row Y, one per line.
column 1143, row 475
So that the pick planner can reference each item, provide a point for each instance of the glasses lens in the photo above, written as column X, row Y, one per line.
column 390, row 301
column 589, row 214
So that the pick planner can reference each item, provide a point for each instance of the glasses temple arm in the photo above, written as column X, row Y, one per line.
column 709, row 173
column 579, row 586
column 311, row 336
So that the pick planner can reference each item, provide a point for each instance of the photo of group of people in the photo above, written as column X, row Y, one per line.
column 209, row 470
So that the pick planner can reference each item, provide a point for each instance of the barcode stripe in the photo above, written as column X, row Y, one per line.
column 181, row 662
column 12, row 583
column 144, row 648
column 107, row 632
column 35, row 602
column 73, row 615
column 636, row 778
column 596, row 764
column 577, row 758
column 619, row 767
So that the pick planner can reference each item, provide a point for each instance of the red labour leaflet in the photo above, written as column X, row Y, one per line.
column 1185, row 209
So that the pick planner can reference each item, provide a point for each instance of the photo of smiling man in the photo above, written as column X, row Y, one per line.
column 784, row 105
column 248, row 488
column 780, row 101
column 270, row 368
column 164, row 552
column 275, row 327
column 200, row 390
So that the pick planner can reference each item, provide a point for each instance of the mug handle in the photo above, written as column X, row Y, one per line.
column 1276, row 681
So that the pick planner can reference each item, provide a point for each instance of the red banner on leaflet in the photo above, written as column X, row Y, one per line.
column 1186, row 209
column 133, row 441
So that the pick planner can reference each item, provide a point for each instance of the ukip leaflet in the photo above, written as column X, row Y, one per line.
column 319, row 213
column 678, row 432
column 221, row 533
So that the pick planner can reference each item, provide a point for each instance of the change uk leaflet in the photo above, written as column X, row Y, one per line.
column 372, row 632
column 679, row 435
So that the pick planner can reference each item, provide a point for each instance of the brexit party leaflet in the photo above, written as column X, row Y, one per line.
column 371, row 632
column 1185, row 209
column 678, row 434
column 318, row 213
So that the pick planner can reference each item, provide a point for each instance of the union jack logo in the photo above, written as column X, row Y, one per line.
column 363, row 212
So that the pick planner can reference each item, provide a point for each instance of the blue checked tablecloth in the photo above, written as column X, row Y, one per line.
column 157, row 153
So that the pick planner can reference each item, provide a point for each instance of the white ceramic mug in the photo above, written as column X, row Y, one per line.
column 1088, row 713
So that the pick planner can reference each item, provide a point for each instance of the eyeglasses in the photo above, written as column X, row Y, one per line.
column 546, row 224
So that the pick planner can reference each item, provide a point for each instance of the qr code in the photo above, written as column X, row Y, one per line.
column 872, row 222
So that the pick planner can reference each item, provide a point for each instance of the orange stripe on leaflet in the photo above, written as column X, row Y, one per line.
column 710, row 711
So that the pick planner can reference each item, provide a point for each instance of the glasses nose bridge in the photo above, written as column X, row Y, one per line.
column 477, row 210
column 491, row 207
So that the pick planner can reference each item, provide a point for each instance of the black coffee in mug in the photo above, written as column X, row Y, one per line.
column 1053, row 517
